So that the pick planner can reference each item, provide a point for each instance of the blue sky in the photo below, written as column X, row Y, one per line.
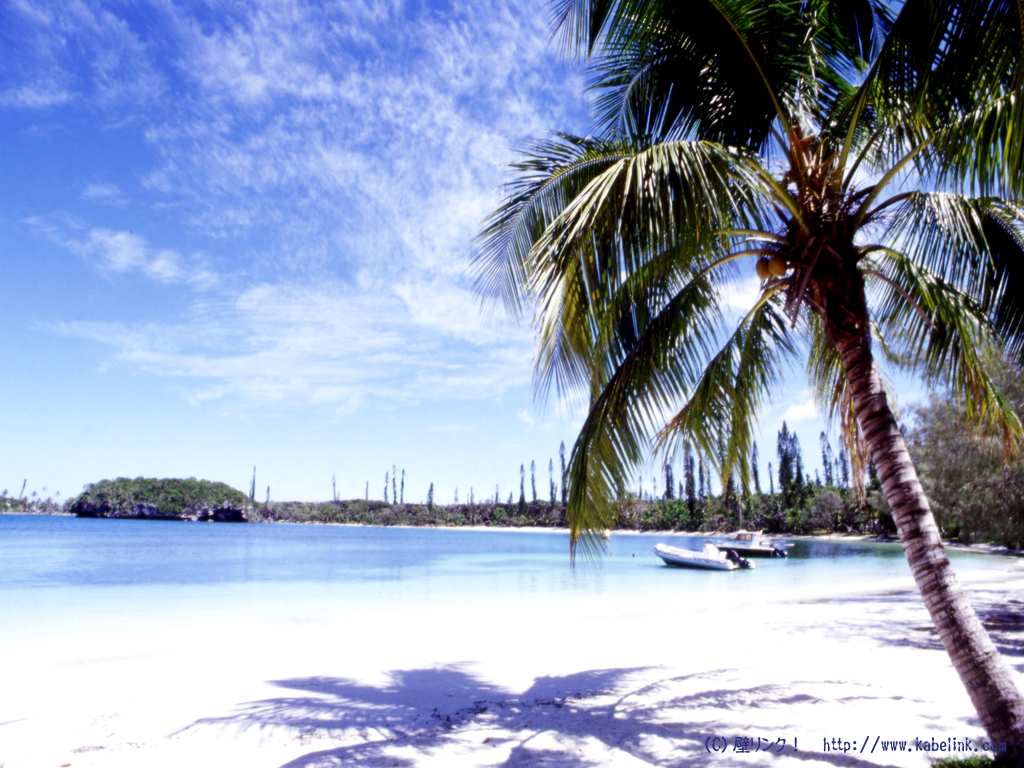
column 236, row 234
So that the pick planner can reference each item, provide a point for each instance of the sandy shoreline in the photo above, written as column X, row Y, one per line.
column 628, row 683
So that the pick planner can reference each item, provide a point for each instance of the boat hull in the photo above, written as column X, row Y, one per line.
column 751, row 544
column 751, row 551
column 684, row 558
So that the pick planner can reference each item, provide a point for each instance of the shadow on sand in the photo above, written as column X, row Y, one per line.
column 572, row 721
column 1002, row 617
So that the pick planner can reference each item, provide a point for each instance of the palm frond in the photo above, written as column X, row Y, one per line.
column 639, row 230
column 549, row 174
column 640, row 388
column 975, row 244
column 735, row 383
column 953, row 345
column 1005, row 237
column 580, row 23
column 946, row 57
column 947, row 78
column 980, row 152
column 853, row 32
column 751, row 55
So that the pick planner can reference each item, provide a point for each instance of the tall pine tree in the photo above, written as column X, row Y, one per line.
column 755, row 459
column 522, row 487
column 691, row 489
column 561, row 456
column 785, row 454
column 791, row 466
column 844, row 467
column 826, row 459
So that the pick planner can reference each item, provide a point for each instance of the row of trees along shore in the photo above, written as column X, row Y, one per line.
column 977, row 495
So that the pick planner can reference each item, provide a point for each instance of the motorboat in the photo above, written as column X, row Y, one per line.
column 711, row 558
column 752, row 544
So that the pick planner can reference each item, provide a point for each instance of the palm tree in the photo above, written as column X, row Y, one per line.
column 868, row 164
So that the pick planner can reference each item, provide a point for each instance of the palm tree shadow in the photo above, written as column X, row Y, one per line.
column 421, row 711
column 1003, row 618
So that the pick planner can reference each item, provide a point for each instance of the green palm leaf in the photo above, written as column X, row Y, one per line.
column 975, row 244
column 723, row 403
column 950, row 335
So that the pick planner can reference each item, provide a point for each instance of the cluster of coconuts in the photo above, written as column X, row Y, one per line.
column 773, row 267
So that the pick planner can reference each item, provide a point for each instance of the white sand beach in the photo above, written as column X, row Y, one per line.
column 631, row 684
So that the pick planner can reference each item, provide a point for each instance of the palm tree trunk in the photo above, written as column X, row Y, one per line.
column 981, row 668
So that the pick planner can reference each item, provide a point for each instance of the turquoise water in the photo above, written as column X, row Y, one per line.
column 61, row 574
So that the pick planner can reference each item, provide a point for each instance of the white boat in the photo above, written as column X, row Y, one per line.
column 751, row 544
column 711, row 558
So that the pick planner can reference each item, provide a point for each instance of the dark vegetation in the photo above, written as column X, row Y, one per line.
column 792, row 503
column 976, row 495
column 169, row 496
column 13, row 505
column 359, row 511
column 974, row 761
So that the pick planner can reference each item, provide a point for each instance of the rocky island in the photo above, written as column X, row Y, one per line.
column 164, row 499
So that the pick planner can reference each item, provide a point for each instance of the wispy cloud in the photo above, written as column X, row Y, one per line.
column 322, row 344
column 77, row 50
column 355, row 148
column 743, row 294
column 42, row 93
column 104, row 193
column 323, row 119
column 120, row 251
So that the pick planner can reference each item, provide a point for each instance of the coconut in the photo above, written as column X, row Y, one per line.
column 762, row 269
column 777, row 266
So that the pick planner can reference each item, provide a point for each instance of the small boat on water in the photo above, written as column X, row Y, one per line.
column 752, row 544
column 711, row 558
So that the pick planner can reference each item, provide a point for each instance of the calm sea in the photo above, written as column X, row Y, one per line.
column 62, row 574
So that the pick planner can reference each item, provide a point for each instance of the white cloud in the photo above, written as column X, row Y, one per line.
column 324, row 119
column 353, row 147
column 114, row 251
column 808, row 409
column 317, row 344
column 36, row 95
column 124, row 251
column 741, row 295
column 104, row 193
column 72, row 50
